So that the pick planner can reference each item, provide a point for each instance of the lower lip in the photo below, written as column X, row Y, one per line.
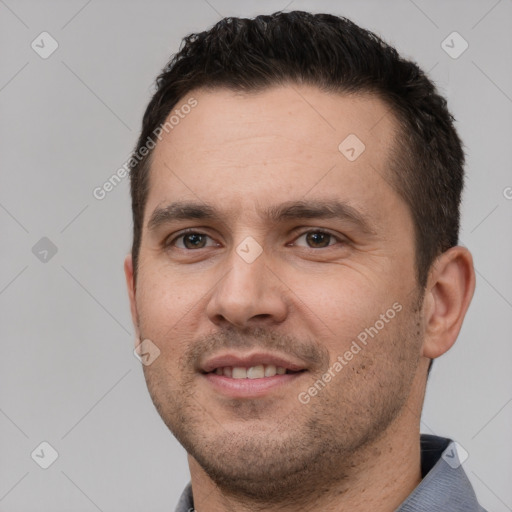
column 249, row 388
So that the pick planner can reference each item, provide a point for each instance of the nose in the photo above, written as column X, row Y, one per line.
column 249, row 294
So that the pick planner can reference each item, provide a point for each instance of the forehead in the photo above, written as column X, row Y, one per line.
column 283, row 143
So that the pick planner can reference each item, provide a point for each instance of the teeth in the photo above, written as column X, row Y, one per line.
column 254, row 372
column 239, row 373
column 270, row 370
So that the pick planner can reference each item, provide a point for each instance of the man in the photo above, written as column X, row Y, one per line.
column 295, row 267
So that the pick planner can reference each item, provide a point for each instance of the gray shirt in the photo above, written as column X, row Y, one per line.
column 444, row 487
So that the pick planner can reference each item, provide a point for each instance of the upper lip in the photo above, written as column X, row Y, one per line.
column 252, row 359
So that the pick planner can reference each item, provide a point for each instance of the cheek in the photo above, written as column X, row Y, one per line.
column 344, row 300
column 359, row 321
column 163, row 302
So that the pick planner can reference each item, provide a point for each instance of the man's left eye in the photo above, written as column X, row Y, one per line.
column 318, row 239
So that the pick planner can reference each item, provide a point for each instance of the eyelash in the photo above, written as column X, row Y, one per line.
column 169, row 243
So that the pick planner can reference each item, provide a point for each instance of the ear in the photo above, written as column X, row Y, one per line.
column 130, row 283
column 449, row 291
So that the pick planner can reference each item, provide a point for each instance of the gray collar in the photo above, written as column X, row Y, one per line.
column 445, row 486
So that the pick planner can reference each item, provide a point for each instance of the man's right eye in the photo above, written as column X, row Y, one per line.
column 189, row 240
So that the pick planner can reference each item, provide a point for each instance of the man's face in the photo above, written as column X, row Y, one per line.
column 246, row 289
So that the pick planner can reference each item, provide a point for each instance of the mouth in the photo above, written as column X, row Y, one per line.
column 260, row 371
column 250, row 376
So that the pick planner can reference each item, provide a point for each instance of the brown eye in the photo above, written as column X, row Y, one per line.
column 194, row 241
column 190, row 240
column 317, row 239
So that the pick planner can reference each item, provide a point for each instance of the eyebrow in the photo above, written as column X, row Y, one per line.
column 290, row 210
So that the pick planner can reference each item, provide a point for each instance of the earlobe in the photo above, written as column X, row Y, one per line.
column 449, row 292
column 130, row 284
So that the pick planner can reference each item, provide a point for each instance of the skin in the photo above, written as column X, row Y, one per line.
column 355, row 445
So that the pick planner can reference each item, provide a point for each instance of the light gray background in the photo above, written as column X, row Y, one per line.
column 68, row 122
